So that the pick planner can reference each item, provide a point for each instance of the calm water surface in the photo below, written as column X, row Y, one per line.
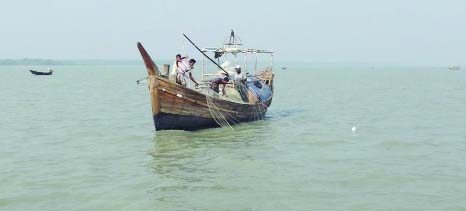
column 83, row 139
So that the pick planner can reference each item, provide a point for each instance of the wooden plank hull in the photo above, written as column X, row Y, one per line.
column 167, row 121
column 185, row 109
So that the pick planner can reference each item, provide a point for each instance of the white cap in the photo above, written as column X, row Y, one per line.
column 238, row 67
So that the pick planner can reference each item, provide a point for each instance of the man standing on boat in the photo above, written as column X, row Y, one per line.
column 240, row 83
column 178, row 59
column 184, row 67
column 239, row 76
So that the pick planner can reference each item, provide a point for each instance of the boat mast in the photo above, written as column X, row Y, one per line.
column 233, row 45
column 255, row 65
column 203, row 64
column 271, row 60
column 232, row 40
column 246, row 62
column 232, row 37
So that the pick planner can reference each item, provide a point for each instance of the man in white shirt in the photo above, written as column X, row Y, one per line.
column 185, row 66
column 240, row 77
column 178, row 59
column 240, row 85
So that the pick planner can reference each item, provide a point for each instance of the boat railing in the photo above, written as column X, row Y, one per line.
column 235, row 52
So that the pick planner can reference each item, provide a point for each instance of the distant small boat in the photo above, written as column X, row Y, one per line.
column 454, row 67
column 41, row 73
column 284, row 68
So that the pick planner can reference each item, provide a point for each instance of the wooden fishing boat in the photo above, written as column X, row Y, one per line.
column 41, row 73
column 181, row 107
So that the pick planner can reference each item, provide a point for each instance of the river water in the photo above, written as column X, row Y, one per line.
column 83, row 139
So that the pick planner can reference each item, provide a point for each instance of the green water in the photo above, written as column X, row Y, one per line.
column 83, row 139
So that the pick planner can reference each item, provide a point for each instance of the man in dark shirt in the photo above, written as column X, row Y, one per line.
column 214, row 84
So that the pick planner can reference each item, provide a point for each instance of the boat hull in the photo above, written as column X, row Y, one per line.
column 40, row 73
column 167, row 121
column 180, row 108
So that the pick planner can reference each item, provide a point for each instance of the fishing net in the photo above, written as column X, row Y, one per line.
column 215, row 110
column 224, row 118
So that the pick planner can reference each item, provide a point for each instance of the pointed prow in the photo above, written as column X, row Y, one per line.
column 152, row 68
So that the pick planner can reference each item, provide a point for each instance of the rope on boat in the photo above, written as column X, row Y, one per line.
column 217, row 115
column 224, row 119
column 142, row 79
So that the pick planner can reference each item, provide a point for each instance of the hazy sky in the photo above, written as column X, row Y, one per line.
column 390, row 31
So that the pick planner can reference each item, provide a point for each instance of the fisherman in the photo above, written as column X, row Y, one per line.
column 175, row 66
column 214, row 84
column 185, row 66
column 240, row 83
column 239, row 77
column 178, row 59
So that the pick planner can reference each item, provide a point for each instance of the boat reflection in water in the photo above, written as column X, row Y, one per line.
column 187, row 160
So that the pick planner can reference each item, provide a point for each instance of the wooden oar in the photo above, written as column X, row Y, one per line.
column 205, row 54
column 152, row 69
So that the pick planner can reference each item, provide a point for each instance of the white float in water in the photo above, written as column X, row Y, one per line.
column 353, row 129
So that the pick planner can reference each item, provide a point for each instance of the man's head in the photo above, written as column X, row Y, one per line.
column 225, row 80
column 238, row 69
column 192, row 62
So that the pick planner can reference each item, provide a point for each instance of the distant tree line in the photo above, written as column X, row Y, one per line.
column 27, row 61
column 51, row 62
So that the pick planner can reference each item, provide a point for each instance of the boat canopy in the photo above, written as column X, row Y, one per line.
column 236, row 50
column 232, row 45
